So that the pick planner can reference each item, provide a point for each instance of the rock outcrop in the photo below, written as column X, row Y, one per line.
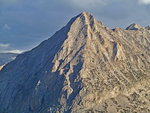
column 84, row 67
column 147, row 27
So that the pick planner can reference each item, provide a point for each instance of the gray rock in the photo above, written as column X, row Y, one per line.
column 147, row 27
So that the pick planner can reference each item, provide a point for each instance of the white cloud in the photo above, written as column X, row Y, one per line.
column 6, row 27
column 4, row 45
column 144, row 2
column 6, row 48
column 14, row 51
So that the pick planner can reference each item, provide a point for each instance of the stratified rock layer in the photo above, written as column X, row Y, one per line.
column 85, row 67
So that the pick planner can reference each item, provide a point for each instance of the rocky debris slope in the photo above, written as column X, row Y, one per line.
column 84, row 67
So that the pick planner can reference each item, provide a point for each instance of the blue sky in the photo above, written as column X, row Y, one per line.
column 25, row 23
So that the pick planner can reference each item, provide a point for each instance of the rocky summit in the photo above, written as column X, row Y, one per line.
column 83, row 68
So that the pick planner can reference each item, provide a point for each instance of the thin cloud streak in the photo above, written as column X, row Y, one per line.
column 6, row 48
column 14, row 51
column 4, row 45
column 144, row 2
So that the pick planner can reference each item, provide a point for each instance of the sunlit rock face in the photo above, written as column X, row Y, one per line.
column 1, row 67
column 84, row 67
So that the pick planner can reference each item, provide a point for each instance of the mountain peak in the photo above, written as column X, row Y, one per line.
column 83, row 67
column 82, row 18
column 84, row 21
column 86, row 17
column 85, row 14
column 134, row 27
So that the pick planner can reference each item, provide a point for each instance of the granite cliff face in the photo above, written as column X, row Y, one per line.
column 84, row 67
